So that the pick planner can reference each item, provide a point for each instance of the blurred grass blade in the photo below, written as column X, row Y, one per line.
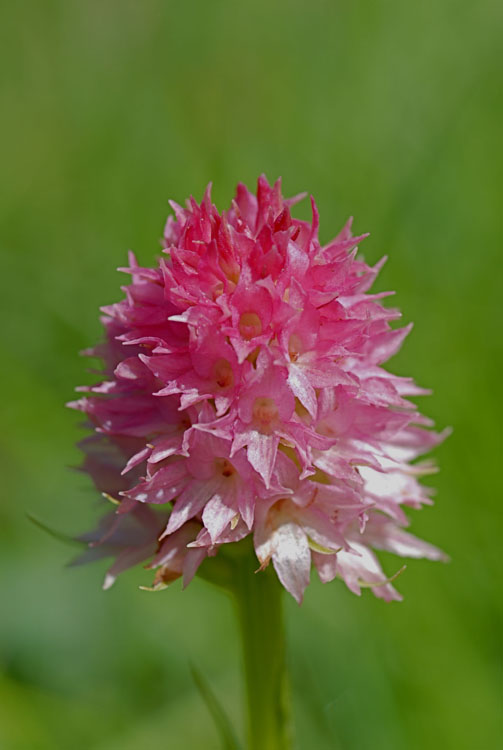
column 54, row 533
column 223, row 724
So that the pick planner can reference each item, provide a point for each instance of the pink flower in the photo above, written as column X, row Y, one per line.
column 244, row 394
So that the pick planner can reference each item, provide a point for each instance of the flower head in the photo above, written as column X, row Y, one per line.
column 244, row 394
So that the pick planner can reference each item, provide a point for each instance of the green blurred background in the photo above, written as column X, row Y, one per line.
column 387, row 110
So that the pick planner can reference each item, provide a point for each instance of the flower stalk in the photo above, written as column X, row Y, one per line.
column 260, row 610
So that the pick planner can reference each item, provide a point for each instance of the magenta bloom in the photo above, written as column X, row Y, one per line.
column 244, row 394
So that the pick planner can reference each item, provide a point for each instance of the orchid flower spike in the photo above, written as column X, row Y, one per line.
column 244, row 394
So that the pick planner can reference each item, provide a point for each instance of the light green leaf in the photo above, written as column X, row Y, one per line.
column 222, row 721
column 59, row 535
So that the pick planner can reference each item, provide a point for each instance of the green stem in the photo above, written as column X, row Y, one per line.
column 259, row 600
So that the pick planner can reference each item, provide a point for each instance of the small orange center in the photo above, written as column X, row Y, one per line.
column 224, row 467
column 218, row 289
column 250, row 325
column 224, row 376
column 231, row 270
column 294, row 347
column 265, row 411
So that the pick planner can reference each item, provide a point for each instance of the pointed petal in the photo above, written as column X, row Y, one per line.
column 381, row 347
column 326, row 565
column 193, row 560
column 390, row 537
column 127, row 559
column 292, row 559
column 360, row 568
column 190, row 503
column 262, row 454
column 218, row 513
column 246, row 504
column 163, row 487
column 302, row 388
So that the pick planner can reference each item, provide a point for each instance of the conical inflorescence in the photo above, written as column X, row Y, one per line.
column 244, row 393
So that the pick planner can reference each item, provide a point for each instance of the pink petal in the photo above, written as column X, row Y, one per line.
column 190, row 503
column 163, row 487
column 302, row 388
column 326, row 565
column 362, row 567
column 261, row 452
column 292, row 559
column 218, row 513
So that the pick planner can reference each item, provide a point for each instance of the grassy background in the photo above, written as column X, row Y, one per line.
column 387, row 110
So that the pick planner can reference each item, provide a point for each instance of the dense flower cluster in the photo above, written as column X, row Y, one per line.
column 244, row 393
